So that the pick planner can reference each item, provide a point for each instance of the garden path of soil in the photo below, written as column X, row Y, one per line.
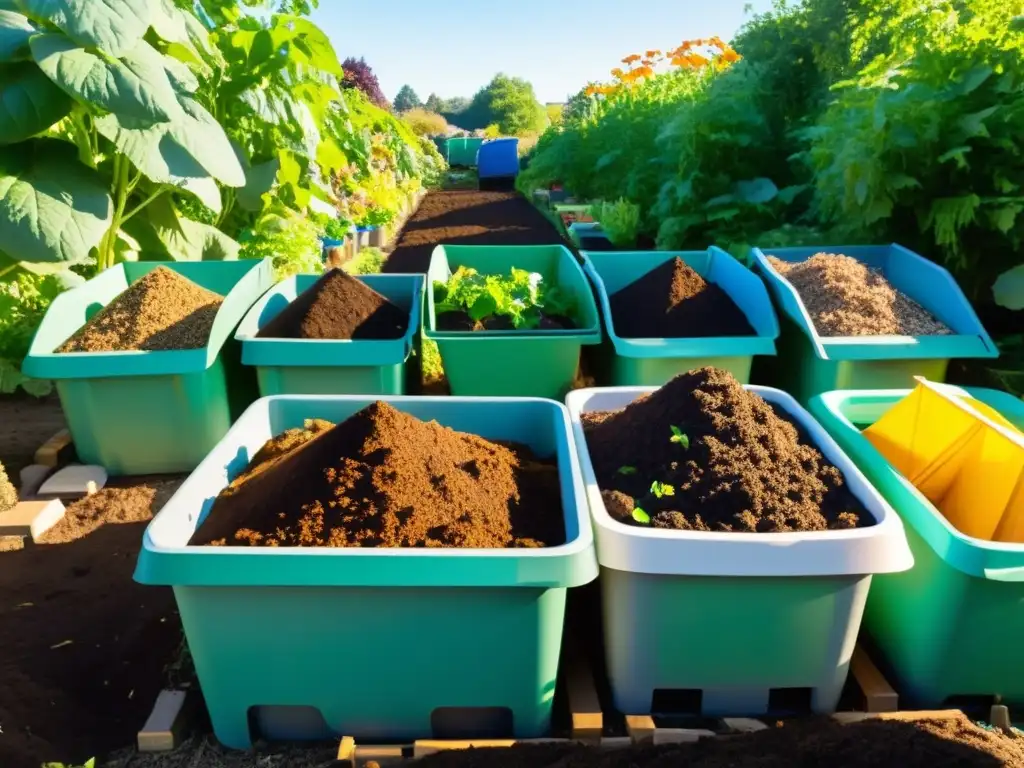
column 84, row 650
column 468, row 217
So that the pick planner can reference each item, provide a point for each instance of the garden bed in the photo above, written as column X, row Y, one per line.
column 468, row 218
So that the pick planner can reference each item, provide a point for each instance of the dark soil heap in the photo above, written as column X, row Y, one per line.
column 813, row 743
column 160, row 311
column 338, row 306
column 383, row 478
column 672, row 301
column 740, row 466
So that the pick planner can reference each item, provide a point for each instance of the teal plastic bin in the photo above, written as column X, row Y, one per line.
column 947, row 627
column 293, row 632
column 331, row 367
column 139, row 413
column 462, row 150
column 512, row 363
column 808, row 364
column 653, row 362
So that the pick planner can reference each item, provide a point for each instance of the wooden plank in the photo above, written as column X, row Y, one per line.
column 744, row 724
column 681, row 735
column 857, row 717
column 382, row 755
column 162, row 729
column 581, row 693
column 879, row 696
column 55, row 451
column 347, row 751
column 641, row 728
column 424, row 747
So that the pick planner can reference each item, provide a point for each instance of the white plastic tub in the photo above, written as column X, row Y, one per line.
column 734, row 623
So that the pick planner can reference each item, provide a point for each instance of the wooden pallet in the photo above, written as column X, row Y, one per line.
column 588, row 721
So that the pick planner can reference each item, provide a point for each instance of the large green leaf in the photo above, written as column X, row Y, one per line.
column 1009, row 288
column 163, row 234
column 311, row 42
column 29, row 102
column 15, row 30
column 115, row 26
column 259, row 180
column 192, row 145
column 52, row 208
column 137, row 87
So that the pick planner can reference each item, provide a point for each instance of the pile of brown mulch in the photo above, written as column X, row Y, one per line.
column 160, row 311
column 845, row 297
column 672, row 301
column 112, row 505
column 338, row 306
column 84, row 648
column 736, row 463
column 383, row 478
column 815, row 743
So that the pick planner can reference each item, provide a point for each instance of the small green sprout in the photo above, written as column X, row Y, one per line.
column 662, row 489
column 640, row 516
column 627, row 470
column 678, row 436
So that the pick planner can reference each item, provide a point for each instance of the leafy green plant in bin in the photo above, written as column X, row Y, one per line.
column 521, row 296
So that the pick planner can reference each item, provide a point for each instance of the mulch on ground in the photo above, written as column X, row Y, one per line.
column 468, row 217
column 27, row 422
column 83, row 648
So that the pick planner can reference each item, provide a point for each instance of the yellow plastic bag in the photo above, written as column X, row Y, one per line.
column 962, row 455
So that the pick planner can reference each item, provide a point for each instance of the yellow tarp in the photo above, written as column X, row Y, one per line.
column 962, row 455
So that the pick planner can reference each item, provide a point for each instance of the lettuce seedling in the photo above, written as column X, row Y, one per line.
column 640, row 516
column 521, row 296
column 627, row 470
column 678, row 436
column 662, row 489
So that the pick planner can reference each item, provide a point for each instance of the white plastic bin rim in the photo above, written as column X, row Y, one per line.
column 881, row 548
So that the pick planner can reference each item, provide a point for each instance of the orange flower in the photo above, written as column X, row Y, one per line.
column 695, row 60
column 617, row 73
column 644, row 71
column 631, row 59
column 652, row 53
column 647, row 62
column 731, row 56
column 590, row 90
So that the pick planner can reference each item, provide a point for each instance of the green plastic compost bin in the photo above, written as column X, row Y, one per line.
column 946, row 628
column 376, row 643
column 328, row 366
column 531, row 363
column 653, row 362
column 808, row 363
column 138, row 413
column 462, row 150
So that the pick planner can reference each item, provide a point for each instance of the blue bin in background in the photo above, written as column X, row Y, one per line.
column 498, row 158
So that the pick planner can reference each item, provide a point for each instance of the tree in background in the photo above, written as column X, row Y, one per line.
column 554, row 113
column 434, row 104
column 454, row 111
column 358, row 74
column 407, row 99
column 514, row 106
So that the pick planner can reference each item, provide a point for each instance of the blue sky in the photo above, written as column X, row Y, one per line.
column 453, row 47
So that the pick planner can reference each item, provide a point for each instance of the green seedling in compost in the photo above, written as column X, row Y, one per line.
column 627, row 470
column 678, row 436
column 640, row 516
column 660, row 489
column 524, row 297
